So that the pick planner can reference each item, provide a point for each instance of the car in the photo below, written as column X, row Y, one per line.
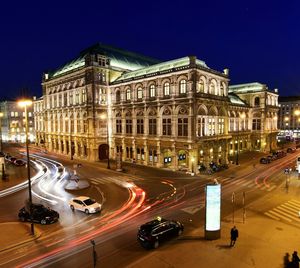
column 85, row 204
column 264, row 160
column 19, row 162
column 12, row 159
column 291, row 150
column 152, row 233
column 40, row 214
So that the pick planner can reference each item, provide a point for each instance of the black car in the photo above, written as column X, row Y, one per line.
column 265, row 160
column 291, row 150
column 40, row 214
column 152, row 233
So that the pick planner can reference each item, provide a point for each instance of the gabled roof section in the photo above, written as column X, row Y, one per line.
column 160, row 68
column 119, row 59
column 247, row 88
column 234, row 99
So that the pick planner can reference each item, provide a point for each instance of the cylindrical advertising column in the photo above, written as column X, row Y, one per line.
column 212, row 211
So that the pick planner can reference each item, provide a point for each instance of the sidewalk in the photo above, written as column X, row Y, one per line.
column 15, row 233
column 262, row 243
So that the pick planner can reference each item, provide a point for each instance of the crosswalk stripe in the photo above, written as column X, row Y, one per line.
column 285, row 214
column 294, row 201
column 270, row 215
column 278, row 215
column 290, row 208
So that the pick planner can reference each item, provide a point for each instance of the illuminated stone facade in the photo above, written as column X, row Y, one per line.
column 13, row 122
column 176, row 114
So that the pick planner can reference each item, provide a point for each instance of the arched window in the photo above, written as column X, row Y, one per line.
column 256, row 101
column 200, row 86
column 152, row 91
column 166, row 89
column 128, row 94
column 118, row 96
column 139, row 93
column 118, row 123
column 212, row 88
column 182, row 87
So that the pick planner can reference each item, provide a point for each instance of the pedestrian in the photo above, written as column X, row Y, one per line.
column 295, row 260
column 234, row 234
column 286, row 261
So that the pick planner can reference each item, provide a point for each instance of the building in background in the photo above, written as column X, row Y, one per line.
column 289, row 117
column 13, row 122
column 176, row 114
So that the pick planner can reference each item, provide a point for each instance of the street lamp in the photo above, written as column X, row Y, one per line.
column 272, row 126
column 24, row 104
column 1, row 115
column 193, row 160
column 105, row 116
column 242, row 116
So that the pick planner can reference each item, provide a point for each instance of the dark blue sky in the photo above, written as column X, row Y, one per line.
column 259, row 41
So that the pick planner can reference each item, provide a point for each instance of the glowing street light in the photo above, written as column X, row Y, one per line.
column 24, row 104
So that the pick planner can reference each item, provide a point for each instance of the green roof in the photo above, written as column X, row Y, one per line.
column 234, row 99
column 160, row 67
column 119, row 59
column 249, row 87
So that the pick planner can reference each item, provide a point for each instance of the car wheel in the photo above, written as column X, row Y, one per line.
column 179, row 232
column 86, row 211
column 72, row 207
column 22, row 219
column 43, row 222
column 156, row 244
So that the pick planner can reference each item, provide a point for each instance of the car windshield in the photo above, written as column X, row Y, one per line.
column 89, row 202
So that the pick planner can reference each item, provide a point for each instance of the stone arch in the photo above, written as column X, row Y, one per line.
column 222, row 111
column 213, row 87
column 166, row 110
column 151, row 112
column 182, row 110
column 202, row 110
column 213, row 111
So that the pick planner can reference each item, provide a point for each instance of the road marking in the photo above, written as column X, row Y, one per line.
column 271, row 188
column 193, row 209
column 281, row 210
column 271, row 216
column 278, row 215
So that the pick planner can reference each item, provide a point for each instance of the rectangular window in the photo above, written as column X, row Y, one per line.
column 201, row 127
column 152, row 126
column 119, row 125
column 256, row 124
column 140, row 126
column 128, row 126
column 140, row 93
column 182, row 127
column 167, row 127
column 12, row 114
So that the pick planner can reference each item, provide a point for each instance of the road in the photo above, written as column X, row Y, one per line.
column 167, row 194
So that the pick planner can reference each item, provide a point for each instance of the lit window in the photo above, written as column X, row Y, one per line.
column 128, row 94
column 152, row 91
column 12, row 114
column 140, row 93
column 167, row 89
column 16, row 114
column 182, row 87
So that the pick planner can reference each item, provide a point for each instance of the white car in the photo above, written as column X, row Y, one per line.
column 85, row 204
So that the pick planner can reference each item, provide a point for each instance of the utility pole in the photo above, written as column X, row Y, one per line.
column 233, row 204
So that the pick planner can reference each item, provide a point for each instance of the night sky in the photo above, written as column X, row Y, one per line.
column 259, row 41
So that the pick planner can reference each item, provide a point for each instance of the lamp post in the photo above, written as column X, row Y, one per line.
column 1, row 115
column 193, row 160
column 105, row 116
column 272, row 124
column 242, row 116
column 297, row 113
column 25, row 104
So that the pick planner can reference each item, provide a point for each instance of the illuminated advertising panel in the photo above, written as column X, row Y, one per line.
column 213, row 211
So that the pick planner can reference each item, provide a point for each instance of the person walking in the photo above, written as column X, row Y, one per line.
column 234, row 234
column 295, row 260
